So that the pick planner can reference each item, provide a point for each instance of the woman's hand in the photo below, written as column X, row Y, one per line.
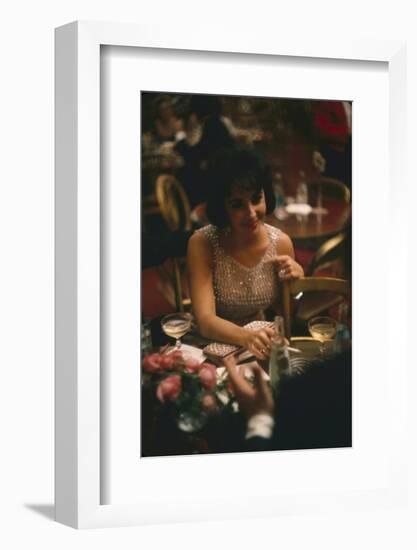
column 259, row 342
column 288, row 269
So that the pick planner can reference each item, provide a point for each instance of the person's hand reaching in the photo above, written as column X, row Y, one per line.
column 253, row 400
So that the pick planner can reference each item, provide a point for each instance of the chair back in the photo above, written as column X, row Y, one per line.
column 176, row 212
column 290, row 289
column 173, row 203
column 330, row 252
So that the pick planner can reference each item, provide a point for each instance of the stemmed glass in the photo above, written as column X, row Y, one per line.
column 176, row 325
column 323, row 329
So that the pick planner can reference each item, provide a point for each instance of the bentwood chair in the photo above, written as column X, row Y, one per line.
column 329, row 261
column 339, row 288
column 330, row 256
column 175, row 210
column 173, row 203
column 329, row 187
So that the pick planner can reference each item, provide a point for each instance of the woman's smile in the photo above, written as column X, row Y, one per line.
column 252, row 224
column 245, row 210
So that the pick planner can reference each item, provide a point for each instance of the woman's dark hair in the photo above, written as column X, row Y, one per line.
column 236, row 168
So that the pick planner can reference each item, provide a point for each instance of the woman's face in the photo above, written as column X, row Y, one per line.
column 246, row 211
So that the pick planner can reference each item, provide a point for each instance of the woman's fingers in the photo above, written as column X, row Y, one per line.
column 265, row 338
column 286, row 274
column 259, row 342
column 264, row 341
column 284, row 265
column 259, row 349
column 287, row 267
column 279, row 260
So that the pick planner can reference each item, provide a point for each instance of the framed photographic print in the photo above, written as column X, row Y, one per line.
column 132, row 110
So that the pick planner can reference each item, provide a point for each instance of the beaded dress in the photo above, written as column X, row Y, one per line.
column 242, row 293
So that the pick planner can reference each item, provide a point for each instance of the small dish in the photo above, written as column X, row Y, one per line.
column 190, row 352
column 298, row 208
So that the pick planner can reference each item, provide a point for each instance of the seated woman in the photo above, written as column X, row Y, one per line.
column 235, row 264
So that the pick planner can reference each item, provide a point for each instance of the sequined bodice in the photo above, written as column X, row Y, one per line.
column 242, row 293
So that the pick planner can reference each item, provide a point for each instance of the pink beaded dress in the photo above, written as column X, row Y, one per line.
column 242, row 293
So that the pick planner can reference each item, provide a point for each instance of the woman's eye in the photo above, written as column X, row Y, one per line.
column 256, row 199
column 235, row 204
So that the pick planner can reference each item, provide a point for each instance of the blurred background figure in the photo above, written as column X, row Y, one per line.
column 333, row 126
column 166, row 124
column 161, row 128
column 206, row 135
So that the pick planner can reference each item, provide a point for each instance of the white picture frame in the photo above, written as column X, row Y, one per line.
column 77, row 242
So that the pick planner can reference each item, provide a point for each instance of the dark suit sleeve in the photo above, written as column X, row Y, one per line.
column 258, row 443
column 315, row 410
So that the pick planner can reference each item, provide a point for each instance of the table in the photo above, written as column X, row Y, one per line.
column 315, row 226
column 222, row 432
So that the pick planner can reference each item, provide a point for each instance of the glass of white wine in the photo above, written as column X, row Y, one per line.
column 322, row 329
column 176, row 325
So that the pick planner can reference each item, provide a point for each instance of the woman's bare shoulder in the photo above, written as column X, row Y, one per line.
column 200, row 242
column 199, row 255
column 284, row 245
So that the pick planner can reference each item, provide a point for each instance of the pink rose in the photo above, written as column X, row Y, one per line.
column 207, row 374
column 176, row 355
column 192, row 365
column 167, row 362
column 178, row 360
column 152, row 363
column 169, row 389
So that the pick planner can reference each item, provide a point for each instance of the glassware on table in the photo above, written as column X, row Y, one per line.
column 279, row 359
column 322, row 329
column 278, row 189
column 302, row 190
column 176, row 325
column 301, row 196
column 319, row 210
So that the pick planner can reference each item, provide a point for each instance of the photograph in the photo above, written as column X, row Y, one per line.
column 207, row 266
column 246, row 270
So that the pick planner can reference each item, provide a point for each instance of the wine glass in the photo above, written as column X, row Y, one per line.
column 322, row 329
column 176, row 325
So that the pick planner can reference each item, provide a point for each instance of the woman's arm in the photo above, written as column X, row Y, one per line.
column 199, row 267
column 288, row 268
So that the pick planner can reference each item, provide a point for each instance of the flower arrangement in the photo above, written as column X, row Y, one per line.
column 191, row 388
